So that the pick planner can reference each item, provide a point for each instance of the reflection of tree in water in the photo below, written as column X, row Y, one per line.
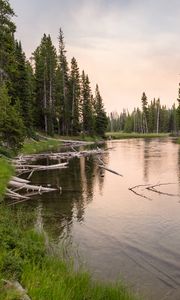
column 59, row 209
column 146, row 159
column 101, row 172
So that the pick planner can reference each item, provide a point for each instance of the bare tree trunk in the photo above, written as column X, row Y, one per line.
column 157, row 124
column 73, row 103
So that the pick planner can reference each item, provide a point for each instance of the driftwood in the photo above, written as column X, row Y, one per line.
column 17, row 184
column 28, row 187
column 23, row 164
column 14, row 195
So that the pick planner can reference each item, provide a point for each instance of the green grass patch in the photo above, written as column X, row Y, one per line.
column 31, row 146
column 123, row 135
column 6, row 171
column 23, row 257
column 178, row 141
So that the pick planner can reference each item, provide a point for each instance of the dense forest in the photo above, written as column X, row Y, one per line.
column 46, row 93
column 151, row 118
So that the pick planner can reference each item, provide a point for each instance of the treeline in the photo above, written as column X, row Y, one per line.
column 153, row 117
column 45, row 94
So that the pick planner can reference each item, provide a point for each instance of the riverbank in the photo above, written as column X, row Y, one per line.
column 24, row 258
column 133, row 135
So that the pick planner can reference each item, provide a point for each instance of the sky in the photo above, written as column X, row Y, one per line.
column 126, row 46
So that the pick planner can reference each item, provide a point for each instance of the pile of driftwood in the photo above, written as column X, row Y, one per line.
column 21, row 189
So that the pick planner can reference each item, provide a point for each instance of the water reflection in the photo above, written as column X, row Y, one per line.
column 57, row 211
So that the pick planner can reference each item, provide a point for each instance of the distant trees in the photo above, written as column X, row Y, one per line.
column 153, row 117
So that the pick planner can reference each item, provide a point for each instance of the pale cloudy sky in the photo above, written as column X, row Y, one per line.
column 126, row 46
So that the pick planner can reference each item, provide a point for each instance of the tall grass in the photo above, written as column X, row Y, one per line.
column 23, row 257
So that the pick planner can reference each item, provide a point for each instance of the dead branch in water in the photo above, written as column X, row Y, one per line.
column 153, row 189
column 132, row 189
column 103, row 166
column 107, row 169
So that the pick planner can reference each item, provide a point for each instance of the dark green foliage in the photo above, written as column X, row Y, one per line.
column 11, row 124
column 87, row 105
column 75, row 93
column 17, row 246
column 22, row 86
column 7, row 29
column 101, row 120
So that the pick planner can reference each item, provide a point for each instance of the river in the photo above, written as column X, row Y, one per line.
column 119, row 234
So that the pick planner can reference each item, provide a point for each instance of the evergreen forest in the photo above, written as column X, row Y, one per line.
column 47, row 93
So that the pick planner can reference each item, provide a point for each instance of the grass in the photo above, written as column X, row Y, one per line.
column 31, row 147
column 23, row 257
column 123, row 135
column 6, row 171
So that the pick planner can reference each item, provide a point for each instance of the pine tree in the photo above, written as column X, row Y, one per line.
column 87, row 109
column 22, row 88
column 100, row 115
column 145, row 112
column 45, row 70
column 7, row 30
column 74, row 92
column 63, row 102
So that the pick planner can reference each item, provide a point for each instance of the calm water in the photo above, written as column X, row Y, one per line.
column 117, row 233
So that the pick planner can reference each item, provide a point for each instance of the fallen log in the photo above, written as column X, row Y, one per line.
column 14, row 195
column 26, row 186
column 49, row 167
column 20, row 179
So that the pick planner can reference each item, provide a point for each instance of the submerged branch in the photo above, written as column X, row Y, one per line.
column 132, row 189
column 153, row 189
